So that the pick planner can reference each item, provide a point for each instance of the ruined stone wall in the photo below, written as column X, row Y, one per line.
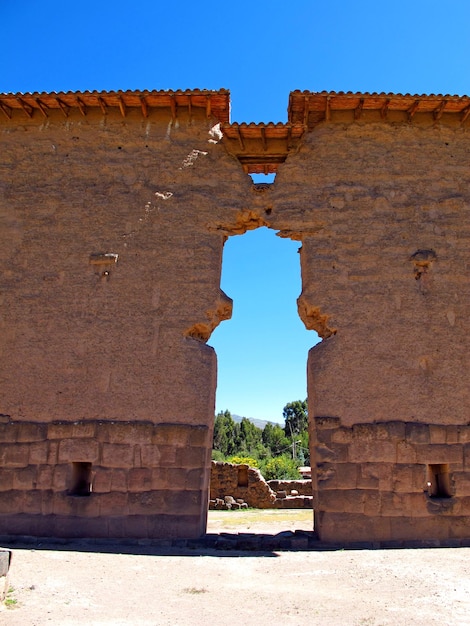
column 111, row 237
column 383, row 214
column 116, row 349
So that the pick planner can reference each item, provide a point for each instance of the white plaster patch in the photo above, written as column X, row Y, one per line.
column 192, row 158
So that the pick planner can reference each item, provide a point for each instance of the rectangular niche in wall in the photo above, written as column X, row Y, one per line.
column 243, row 476
column 81, row 479
column 439, row 481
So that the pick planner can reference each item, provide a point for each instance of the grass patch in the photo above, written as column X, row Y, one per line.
column 9, row 601
column 261, row 517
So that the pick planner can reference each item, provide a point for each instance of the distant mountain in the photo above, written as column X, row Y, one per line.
column 259, row 423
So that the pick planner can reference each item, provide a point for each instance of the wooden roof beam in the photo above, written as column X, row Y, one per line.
column 81, row 106
column 328, row 109
column 173, row 107
column 42, row 107
column 464, row 113
column 26, row 107
column 412, row 110
column 384, row 109
column 103, row 105
column 6, row 110
column 358, row 109
column 122, row 106
column 63, row 107
column 240, row 138
column 144, row 106
column 437, row 113
column 263, row 138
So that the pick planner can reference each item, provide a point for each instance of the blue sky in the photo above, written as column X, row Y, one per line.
column 260, row 51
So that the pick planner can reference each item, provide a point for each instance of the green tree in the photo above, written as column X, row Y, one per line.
column 275, row 439
column 296, row 417
column 249, row 436
column 225, row 434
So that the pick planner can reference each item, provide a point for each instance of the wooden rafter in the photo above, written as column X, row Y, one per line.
column 263, row 138
column 384, row 109
column 103, row 105
column 144, row 106
column 412, row 110
column 6, row 110
column 122, row 106
column 26, row 107
column 328, row 109
column 464, row 114
column 173, row 107
column 42, row 107
column 358, row 109
column 437, row 113
column 81, row 106
column 64, row 108
column 240, row 138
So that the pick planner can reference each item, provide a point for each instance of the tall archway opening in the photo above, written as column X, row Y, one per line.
column 262, row 353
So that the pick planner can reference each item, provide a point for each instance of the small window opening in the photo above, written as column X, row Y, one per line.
column 263, row 179
column 243, row 476
column 438, row 482
column 81, row 479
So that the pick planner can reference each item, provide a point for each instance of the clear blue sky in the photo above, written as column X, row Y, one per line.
column 260, row 51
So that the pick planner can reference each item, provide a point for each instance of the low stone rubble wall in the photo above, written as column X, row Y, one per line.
column 237, row 486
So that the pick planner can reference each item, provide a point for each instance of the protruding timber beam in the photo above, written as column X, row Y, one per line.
column 437, row 113
column 412, row 110
column 122, row 106
column 464, row 114
column 384, row 109
column 263, row 138
column 328, row 109
column 64, row 108
column 240, row 138
column 81, row 106
column 358, row 109
column 42, row 107
column 103, row 105
column 6, row 109
column 144, row 106
column 26, row 107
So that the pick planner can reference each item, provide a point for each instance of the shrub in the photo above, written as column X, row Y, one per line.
column 243, row 460
column 281, row 468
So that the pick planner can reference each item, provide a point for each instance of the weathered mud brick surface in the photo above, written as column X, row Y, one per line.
column 114, row 210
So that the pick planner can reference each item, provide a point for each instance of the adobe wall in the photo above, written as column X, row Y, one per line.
column 111, row 239
column 383, row 214
column 105, row 362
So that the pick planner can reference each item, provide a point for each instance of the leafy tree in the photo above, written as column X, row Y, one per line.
column 249, row 435
column 296, row 417
column 225, row 433
column 275, row 439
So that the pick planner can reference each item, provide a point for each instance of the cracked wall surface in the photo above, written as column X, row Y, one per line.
column 111, row 241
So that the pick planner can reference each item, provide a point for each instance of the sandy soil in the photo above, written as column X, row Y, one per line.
column 368, row 588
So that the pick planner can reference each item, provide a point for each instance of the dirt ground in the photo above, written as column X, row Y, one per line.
column 144, row 587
